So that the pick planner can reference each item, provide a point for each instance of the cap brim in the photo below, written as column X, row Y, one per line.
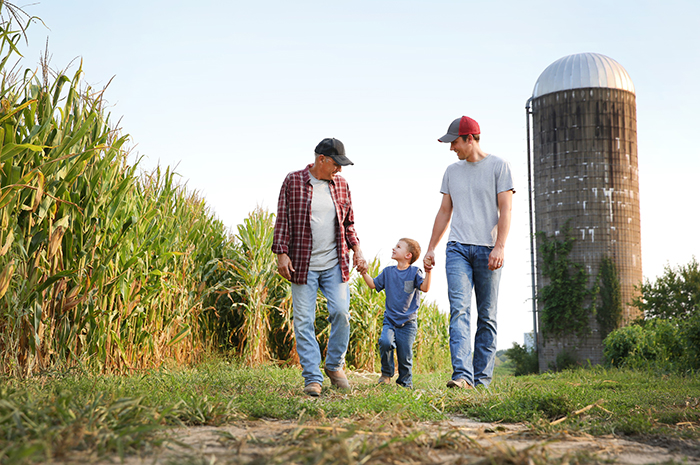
column 448, row 138
column 342, row 160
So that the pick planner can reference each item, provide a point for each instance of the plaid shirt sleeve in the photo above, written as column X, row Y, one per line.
column 280, row 240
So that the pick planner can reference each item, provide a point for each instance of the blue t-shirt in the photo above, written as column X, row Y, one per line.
column 402, row 289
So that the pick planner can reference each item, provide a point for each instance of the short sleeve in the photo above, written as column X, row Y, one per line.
column 419, row 278
column 380, row 281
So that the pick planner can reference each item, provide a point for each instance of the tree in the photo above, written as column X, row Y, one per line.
column 676, row 294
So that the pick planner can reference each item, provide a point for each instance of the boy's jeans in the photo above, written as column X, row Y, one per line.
column 467, row 268
column 304, row 296
column 400, row 338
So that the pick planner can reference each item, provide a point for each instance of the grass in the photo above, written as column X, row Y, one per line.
column 55, row 414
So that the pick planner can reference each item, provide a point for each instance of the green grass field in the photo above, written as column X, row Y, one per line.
column 53, row 415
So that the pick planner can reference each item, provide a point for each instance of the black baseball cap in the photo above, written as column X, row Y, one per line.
column 335, row 149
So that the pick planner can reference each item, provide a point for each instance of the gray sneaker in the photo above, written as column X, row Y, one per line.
column 458, row 383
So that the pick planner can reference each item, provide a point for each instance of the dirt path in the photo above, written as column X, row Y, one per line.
column 456, row 441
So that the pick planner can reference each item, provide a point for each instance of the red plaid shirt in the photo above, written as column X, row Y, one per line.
column 293, row 223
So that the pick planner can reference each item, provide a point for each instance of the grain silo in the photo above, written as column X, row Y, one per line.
column 584, row 171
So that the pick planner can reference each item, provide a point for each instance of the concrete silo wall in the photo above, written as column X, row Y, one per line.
column 585, row 170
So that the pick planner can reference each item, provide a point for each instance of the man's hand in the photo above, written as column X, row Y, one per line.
column 496, row 258
column 284, row 266
column 429, row 260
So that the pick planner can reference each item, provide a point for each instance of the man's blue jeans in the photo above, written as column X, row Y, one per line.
column 467, row 268
column 304, row 296
column 401, row 339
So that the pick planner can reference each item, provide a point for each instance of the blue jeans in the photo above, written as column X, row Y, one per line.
column 400, row 338
column 304, row 296
column 467, row 268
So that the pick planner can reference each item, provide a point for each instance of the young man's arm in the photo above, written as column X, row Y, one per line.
column 369, row 280
column 505, row 202
column 425, row 287
column 442, row 219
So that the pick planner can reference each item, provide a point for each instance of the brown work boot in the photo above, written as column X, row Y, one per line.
column 338, row 378
column 458, row 383
column 313, row 389
column 384, row 380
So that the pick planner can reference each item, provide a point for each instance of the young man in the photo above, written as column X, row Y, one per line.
column 401, row 284
column 314, row 230
column 477, row 197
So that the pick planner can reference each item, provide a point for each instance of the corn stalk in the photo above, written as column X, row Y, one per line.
column 262, row 295
column 98, row 265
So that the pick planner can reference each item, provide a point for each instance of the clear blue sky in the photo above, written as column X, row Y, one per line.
column 237, row 94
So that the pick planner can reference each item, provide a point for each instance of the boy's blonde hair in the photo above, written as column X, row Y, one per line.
column 413, row 247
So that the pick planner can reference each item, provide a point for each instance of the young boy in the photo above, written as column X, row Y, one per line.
column 401, row 284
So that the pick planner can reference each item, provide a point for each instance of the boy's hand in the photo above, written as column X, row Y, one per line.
column 429, row 260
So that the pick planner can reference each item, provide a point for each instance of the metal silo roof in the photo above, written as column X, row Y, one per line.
column 580, row 71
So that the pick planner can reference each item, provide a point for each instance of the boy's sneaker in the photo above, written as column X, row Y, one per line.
column 313, row 389
column 338, row 378
column 384, row 380
column 458, row 383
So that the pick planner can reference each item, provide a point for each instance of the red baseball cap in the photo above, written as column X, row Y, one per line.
column 460, row 127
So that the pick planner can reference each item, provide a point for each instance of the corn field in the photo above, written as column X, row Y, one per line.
column 98, row 264
column 107, row 268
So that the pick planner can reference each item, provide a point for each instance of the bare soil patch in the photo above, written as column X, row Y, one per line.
column 458, row 440
column 376, row 440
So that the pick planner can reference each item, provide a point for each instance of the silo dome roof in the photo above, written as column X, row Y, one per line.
column 580, row 71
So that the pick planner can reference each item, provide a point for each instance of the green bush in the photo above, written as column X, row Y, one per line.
column 525, row 360
column 689, row 333
column 566, row 360
column 664, row 344
column 628, row 345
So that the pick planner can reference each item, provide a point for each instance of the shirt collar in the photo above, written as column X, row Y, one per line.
column 306, row 175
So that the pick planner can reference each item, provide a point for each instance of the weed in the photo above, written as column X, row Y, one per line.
column 46, row 417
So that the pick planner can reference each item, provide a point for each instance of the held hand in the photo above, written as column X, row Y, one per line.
column 496, row 258
column 284, row 266
column 359, row 262
column 429, row 260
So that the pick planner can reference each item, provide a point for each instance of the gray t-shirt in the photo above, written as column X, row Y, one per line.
column 324, row 254
column 474, row 189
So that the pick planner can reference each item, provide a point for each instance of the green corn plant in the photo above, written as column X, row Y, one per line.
column 99, row 264
column 431, row 349
column 260, row 290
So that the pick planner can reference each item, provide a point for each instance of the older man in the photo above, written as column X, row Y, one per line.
column 314, row 231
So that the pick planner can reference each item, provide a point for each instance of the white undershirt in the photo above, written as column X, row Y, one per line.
column 323, row 252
